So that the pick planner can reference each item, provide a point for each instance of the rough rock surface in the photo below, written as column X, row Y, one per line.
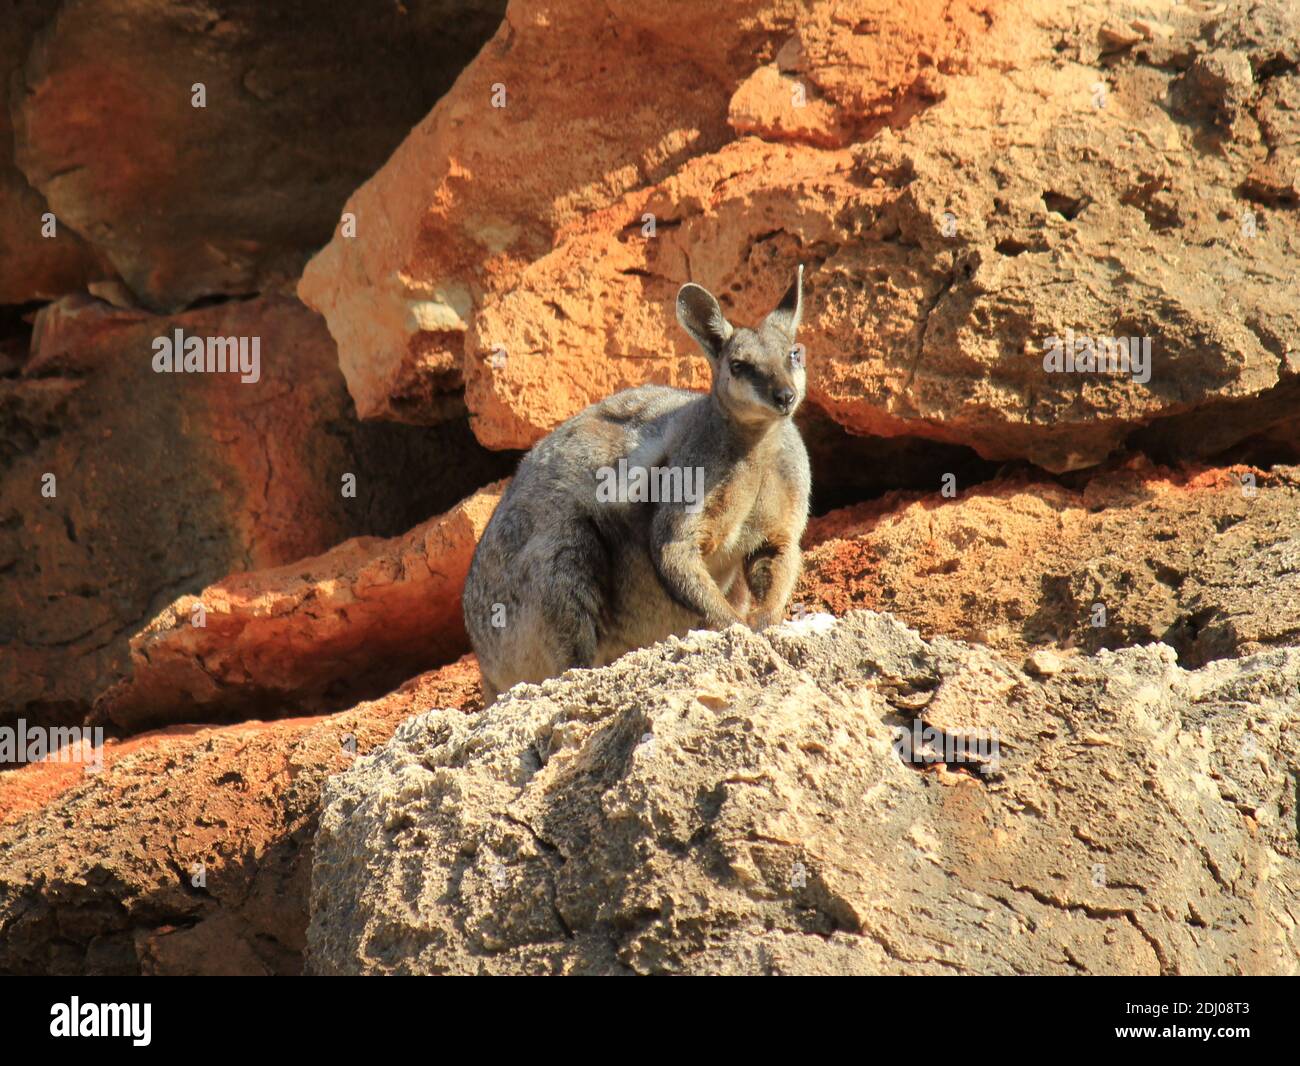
column 166, row 482
column 304, row 99
column 734, row 803
column 1205, row 560
column 320, row 632
column 964, row 180
column 97, row 873
column 473, row 201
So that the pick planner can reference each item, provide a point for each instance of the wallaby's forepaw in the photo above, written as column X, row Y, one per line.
column 761, row 619
column 721, row 622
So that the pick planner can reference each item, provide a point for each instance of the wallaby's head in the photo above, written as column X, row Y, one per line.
column 758, row 374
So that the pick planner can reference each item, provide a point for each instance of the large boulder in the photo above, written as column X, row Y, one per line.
column 301, row 101
column 966, row 182
column 123, row 488
column 400, row 296
column 828, row 797
column 528, row 122
column 189, row 851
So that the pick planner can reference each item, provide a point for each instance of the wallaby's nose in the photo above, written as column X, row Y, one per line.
column 784, row 399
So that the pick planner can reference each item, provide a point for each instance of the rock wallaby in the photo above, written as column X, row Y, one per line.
column 651, row 513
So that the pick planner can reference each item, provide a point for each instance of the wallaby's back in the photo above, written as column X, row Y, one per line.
column 553, row 556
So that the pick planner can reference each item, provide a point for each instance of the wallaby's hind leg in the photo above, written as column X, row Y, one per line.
column 772, row 572
column 740, row 595
column 574, row 596
column 758, row 573
column 574, row 637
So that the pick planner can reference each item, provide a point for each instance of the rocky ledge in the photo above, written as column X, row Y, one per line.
column 829, row 797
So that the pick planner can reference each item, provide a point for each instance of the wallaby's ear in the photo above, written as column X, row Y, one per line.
column 702, row 318
column 789, row 311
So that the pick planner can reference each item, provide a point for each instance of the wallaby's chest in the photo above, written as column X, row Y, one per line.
column 732, row 518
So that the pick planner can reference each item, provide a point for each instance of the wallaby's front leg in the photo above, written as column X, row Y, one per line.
column 772, row 572
column 677, row 548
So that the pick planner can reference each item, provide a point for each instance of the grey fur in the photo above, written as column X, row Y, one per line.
column 576, row 582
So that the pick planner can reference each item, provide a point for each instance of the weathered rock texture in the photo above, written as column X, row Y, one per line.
column 1206, row 561
column 33, row 266
column 733, row 803
column 97, row 873
column 320, row 632
column 965, row 180
column 471, row 206
column 303, row 100
column 166, row 482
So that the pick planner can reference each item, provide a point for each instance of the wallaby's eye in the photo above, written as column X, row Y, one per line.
column 797, row 356
column 739, row 367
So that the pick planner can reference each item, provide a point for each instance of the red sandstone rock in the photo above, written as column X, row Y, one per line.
column 934, row 180
column 1193, row 559
column 97, row 872
column 477, row 192
column 33, row 266
column 302, row 101
column 358, row 619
